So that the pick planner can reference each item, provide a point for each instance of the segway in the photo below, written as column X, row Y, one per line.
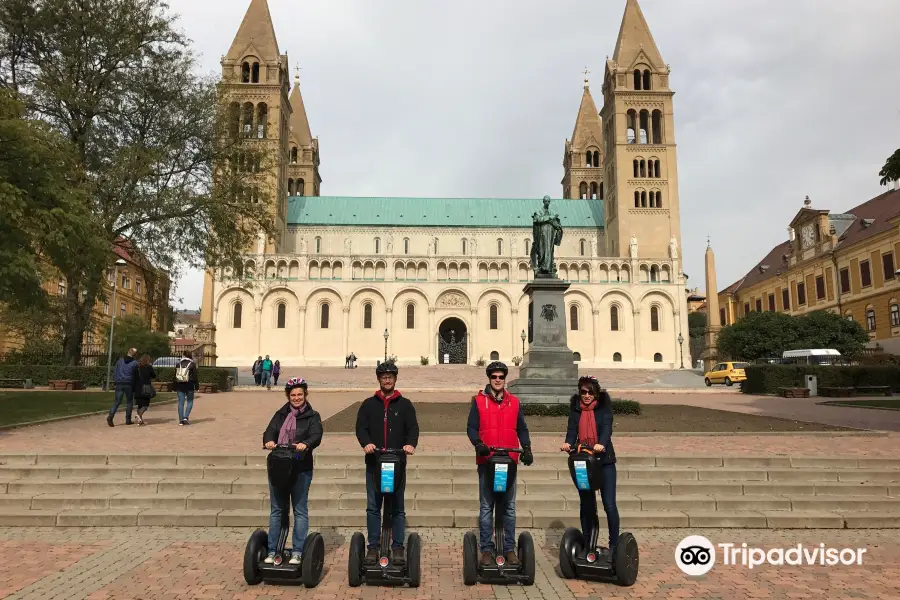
column 256, row 570
column 580, row 558
column 502, row 473
column 390, row 474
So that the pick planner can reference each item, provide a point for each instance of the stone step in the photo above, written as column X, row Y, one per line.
column 461, row 518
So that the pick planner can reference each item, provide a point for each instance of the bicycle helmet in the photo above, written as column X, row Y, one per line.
column 386, row 368
column 496, row 366
column 295, row 382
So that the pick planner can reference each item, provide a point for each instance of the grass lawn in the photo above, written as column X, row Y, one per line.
column 883, row 404
column 451, row 418
column 24, row 407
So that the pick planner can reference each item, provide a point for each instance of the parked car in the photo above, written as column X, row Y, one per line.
column 166, row 361
column 728, row 373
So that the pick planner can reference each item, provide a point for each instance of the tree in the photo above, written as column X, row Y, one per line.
column 891, row 169
column 696, row 332
column 131, row 331
column 823, row 329
column 149, row 138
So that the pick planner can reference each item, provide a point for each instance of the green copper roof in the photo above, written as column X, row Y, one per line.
column 438, row 212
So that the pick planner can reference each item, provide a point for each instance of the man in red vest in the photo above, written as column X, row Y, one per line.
column 496, row 419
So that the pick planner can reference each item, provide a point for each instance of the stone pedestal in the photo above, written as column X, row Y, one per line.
column 548, row 374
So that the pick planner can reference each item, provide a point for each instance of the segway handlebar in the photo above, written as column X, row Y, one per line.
column 505, row 450
column 294, row 446
column 581, row 449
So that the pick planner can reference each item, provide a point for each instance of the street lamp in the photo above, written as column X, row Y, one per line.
column 523, row 343
column 112, row 325
column 681, row 347
column 386, row 336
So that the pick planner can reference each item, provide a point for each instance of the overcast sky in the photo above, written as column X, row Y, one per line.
column 774, row 101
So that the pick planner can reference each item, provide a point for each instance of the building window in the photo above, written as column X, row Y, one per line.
column 464, row 246
column 887, row 263
column 90, row 337
column 759, row 305
column 657, row 357
column 746, row 308
column 820, row 288
column 801, row 294
column 495, row 355
column 499, row 247
column 771, row 302
column 527, row 247
column 377, row 245
column 845, row 280
column 617, row 357
column 123, row 310
column 865, row 273
column 237, row 314
column 895, row 315
column 367, row 316
column 573, row 317
column 110, row 277
column 581, row 247
column 406, row 246
column 493, row 316
column 614, row 318
column 282, row 316
column 722, row 317
column 61, row 289
column 410, row 316
column 137, row 287
column 654, row 318
column 323, row 317
column 786, row 299
column 318, row 245
column 870, row 319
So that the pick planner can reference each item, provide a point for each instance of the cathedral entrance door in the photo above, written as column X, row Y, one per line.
column 453, row 341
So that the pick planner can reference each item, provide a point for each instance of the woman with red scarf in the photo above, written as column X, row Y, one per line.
column 590, row 424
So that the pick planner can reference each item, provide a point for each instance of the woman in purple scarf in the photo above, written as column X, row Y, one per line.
column 297, row 424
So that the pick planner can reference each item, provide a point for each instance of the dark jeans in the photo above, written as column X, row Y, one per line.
column 257, row 377
column 275, row 376
column 374, row 500
column 266, row 378
column 299, row 496
column 589, row 506
column 127, row 390
column 486, row 515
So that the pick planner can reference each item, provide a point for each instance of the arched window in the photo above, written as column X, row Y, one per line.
column 601, row 191
column 617, row 357
column 301, row 187
column 654, row 318
column 323, row 316
column 290, row 187
column 499, row 247
column 237, row 313
column 582, row 190
column 658, row 199
column 282, row 316
column 318, row 245
column 643, row 169
column 254, row 73
column 646, row 80
column 527, row 247
column 657, row 127
column 262, row 120
column 654, row 274
column 405, row 245
column 614, row 318
column 643, row 199
column 895, row 315
column 593, row 190
column 596, row 158
column 464, row 246
column 870, row 319
column 587, row 158
column 644, row 126
column 635, row 166
column 294, row 155
column 573, row 317
column 657, row 357
column 495, row 355
column 247, row 119
column 367, row 316
column 637, row 79
column 493, row 316
column 581, row 247
column 377, row 245
column 410, row 316
column 576, row 356
column 631, row 122
column 637, row 199
column 656, row 168
column 245, row 73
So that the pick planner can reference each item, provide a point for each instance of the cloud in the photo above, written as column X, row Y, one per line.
column 773, row 101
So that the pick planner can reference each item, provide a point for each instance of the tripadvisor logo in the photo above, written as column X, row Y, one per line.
column 695, row 555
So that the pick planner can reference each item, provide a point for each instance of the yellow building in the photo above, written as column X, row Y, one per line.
column 842, row 262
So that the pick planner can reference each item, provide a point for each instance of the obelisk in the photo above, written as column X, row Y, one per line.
column 710, row 349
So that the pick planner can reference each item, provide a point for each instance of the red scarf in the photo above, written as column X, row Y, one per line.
column 587, row 424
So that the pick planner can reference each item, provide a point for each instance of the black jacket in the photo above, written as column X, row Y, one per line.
column 142, row 376
column 399, row 420
column 192, row 384
column 309, row 432
column 604, row 417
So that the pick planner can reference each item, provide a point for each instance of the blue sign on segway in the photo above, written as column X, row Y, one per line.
column 387, row 478
column 581, row 475
column 500, row 472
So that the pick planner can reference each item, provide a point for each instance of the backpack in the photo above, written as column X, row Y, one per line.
column 183, row 371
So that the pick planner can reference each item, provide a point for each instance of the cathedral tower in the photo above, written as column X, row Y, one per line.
column 303, row 153
column 583, row 156
column 639, row 166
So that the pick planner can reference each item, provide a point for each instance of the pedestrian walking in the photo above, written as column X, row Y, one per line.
column 266, row 368
column 276, row 371
column 257, row 370
column 124, row 378
column 143, row 386
column 185, row 384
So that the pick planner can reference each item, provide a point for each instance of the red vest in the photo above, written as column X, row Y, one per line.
column 498, row 423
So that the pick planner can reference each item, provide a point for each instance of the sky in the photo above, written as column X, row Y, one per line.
column 773, row 100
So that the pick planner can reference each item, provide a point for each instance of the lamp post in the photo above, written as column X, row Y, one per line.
column 523, row 344
column 681, row 347
column 112, row 325
column 386, row 336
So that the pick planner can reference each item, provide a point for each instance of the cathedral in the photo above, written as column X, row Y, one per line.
column 442, row 279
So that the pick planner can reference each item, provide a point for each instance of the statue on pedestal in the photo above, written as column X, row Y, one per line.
column 633, row 247
column 546, row 232
column 673, row 248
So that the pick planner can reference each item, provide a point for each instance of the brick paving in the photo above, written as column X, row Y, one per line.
column 200, row 563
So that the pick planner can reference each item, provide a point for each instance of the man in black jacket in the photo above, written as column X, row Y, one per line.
column 385, row 420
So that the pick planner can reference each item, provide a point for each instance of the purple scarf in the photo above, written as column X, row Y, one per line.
column 289, row 428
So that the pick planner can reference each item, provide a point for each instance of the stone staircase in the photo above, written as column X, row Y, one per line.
column 212, row 490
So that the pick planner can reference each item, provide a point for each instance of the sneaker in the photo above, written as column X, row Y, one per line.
column 109, row 421
column 487, row 559
column 512, row 559
column 180, row 423
column 270, row 559
column 186, row 422
column 397, row 556
column 140, row 420
column 296, row 559
column 372, row 556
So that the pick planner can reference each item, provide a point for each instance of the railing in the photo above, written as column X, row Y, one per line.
column 96, row 355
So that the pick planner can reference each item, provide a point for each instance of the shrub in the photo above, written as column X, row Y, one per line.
column 517, row 360
column 96, row 376
column 480, row 362
column 619, row 407
column 766, row 379
column 423, row 360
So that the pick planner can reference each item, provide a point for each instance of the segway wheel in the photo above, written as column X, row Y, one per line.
column 626, row 560
column 570, row 546
column 413, row 558
column 313, row 560
column 526, row 557
column 254, row 554
column 355, row 562
column 470, row 558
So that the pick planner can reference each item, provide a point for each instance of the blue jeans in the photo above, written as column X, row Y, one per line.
column 486, row 515
column 589, row 506
column 127, row 390
column 299, row 496
column 266, row 378
column 185, row 411
column 374, row 500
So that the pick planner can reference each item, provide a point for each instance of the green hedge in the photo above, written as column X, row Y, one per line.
column 96, row 376
column 766, row 379
column 620, row 407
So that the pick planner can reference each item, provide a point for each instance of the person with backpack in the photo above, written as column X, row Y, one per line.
column 185, row 384
column 266, row 367
column 257, row 370
column 143, row 386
